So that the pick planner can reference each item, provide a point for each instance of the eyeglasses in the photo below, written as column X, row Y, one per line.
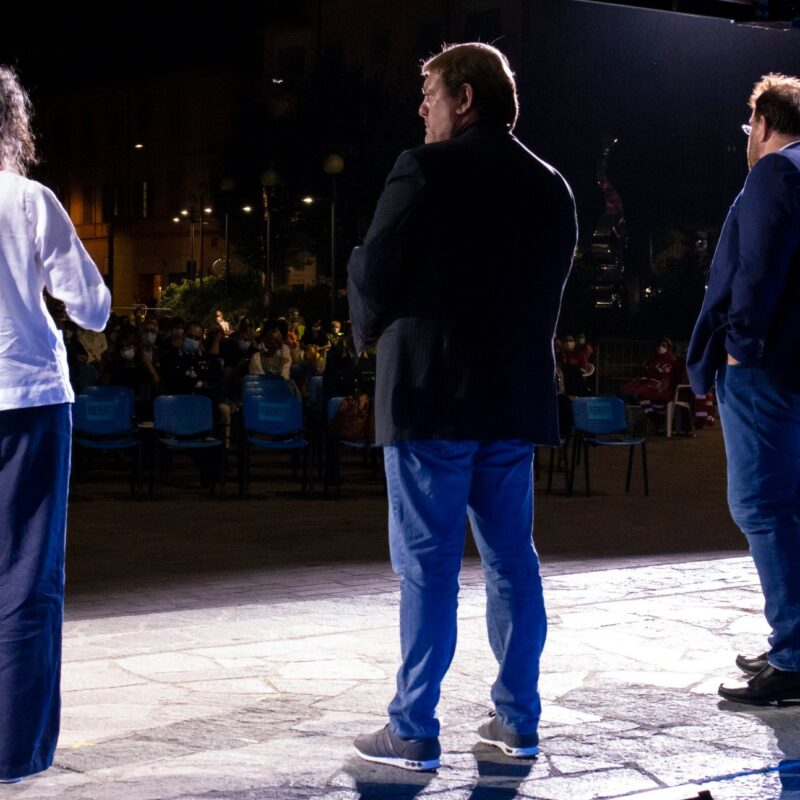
column 748, row 129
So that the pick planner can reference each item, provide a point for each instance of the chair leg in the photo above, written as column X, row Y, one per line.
column 670, row 417
column 550, row 469
column 630, row 468
column 567, row 474
column 644, row 470
column 586, row 468
column 576, row 444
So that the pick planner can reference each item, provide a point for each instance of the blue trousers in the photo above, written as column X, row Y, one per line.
column 34, row 480
column 433, row 486
column 761, row 425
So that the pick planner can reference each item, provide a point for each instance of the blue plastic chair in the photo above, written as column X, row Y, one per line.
column 272, row 422
column 601, row 422
column 103, row 420
column 113, row 391
column 185, row 422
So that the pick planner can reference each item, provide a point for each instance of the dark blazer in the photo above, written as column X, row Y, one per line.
column 752, row 305
column 459, row 281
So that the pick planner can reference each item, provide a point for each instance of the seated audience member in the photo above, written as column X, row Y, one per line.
column 236, row 351
column 82, row 374
column 223, row 323
column 314, row 336
column 174, row 341
column 95, row 345
column 148, row 342
column 273, row 357
column 575, row 368
column 583, row 346
column 129, row 367
column 192, row 370
column 654, row 386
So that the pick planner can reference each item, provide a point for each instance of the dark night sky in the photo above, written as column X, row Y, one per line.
column 672, row 88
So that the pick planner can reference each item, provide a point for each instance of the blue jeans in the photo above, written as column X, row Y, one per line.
column 432, row 487
column 34, row 478
column 761, row 424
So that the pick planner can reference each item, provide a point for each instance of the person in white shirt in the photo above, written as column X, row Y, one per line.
column 39, row 250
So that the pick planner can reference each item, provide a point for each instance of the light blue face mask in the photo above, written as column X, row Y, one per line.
column 190, row 346
column 149, row 337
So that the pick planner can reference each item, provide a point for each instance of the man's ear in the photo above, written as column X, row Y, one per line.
column 767, row 130
column 465, row 99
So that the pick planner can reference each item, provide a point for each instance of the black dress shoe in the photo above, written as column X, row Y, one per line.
column 752, row 664
column 770, row 685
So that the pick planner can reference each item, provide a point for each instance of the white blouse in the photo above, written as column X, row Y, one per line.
column 39, row 249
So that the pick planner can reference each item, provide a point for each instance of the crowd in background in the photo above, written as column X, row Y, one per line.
column 155, row 353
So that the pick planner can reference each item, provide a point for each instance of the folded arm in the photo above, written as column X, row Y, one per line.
column 377, row 267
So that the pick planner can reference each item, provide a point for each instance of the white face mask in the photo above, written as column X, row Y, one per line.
column 190, row 345
column 149, row 337
column 128, row 353
column 244, row 344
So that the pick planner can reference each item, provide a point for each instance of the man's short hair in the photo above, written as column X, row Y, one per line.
column 489, row 74
column 776, row 98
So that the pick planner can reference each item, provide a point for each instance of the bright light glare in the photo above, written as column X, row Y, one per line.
column 308, row 200
column 247, row 209
column 184, row 212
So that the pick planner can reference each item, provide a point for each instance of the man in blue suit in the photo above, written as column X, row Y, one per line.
column 471, row 227
column 748, row 336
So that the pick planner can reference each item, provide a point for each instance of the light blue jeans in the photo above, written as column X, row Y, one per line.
column 761, row 424
column 433, row 486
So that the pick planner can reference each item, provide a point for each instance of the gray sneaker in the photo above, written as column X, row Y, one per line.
column 516, row 745
column 383, row 747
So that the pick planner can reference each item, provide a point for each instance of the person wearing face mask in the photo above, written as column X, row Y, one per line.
column 236, row 352
column 654, row 386
column 175, row 337
column 575, row 368
column 191, row 370
column 149, row 341
column 129, row 368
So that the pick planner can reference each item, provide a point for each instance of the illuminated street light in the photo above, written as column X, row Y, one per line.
column 308, row 200
column 247, row 209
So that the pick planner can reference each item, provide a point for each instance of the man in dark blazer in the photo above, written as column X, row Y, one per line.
column 471, row 228
column 748, row 337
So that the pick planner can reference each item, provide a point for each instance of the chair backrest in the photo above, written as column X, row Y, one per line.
column 333, row 407
column 270, row 388
column 273, row 415
column 112, row 391
column 183, row 414
column 599, row 415
column 102, row 414
column 268, row 377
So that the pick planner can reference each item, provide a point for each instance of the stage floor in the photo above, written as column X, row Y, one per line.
column 253, row 685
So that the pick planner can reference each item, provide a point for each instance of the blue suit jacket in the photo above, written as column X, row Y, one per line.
column 752, row 305
column 459, row 280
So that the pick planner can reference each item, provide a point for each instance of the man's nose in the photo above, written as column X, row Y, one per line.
column 423, row 109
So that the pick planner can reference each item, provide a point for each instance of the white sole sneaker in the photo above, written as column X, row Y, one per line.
column 403, row 763
column 514, row 752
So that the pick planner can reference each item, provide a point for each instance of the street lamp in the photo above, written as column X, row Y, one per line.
column 333, row 165
column 269, row 180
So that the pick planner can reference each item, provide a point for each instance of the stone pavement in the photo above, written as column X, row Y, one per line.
column 255, row 687
column 216, row 648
